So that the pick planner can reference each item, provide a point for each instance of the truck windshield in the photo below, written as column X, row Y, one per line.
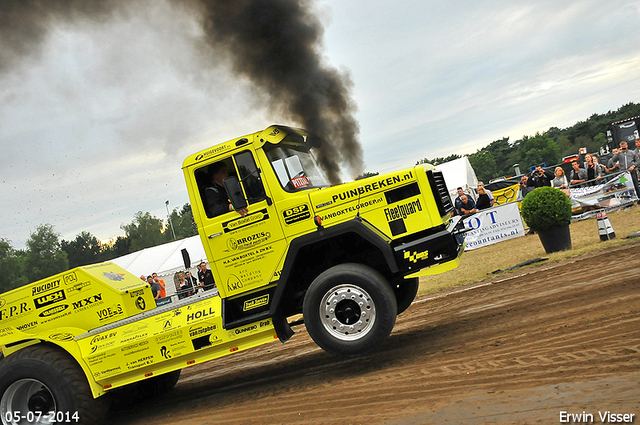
column 296, row 168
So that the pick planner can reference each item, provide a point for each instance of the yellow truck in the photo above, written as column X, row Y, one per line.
column 281, row 241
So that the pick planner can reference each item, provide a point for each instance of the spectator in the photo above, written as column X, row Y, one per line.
column 524, row 188
column 458, row 201
column 539, row 177
column 628, row 161
column 602, row 168
column 467, row 206
column 483, row 201
column 637, row 149
column 592, row 169
column 163, row 290
column 193, row 280
column 205, row 277
column 560, row 181
column 186, row 288
column 613, row 166
column 155, row 288
column 578, row 175
column 480, row 184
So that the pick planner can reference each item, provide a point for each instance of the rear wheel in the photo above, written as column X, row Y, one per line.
column 43, row 378
column 349, row 309
column 405, row 291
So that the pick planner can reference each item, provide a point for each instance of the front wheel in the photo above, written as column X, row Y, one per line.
column 349, row 310
column 43, row 380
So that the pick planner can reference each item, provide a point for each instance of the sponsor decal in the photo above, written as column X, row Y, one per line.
column 54, row 310
column 2, row 302
column 265, row 323
column 256, row 302
column 245, row 329
column 39, row 289
column 324, row 204
column 201, row 314
column 134, row 328
column 49, row 299
column 299, row 182
column 212, row 151
column 114, row 276
column 247, row 220
column 78, row 287
column 164, row 352
column 296, row 214
column 86, row 303
column 133, row 338
column 27, row 326
column 202, row 329
column 402, row 211
column 169, row 336
column 109, row 312
column 141, row 362
column 414, row 257
column 136, row 293
column 135, row 348
column 371, row 187
column 14, row 310
column 101, row 338
column 106, row 372
column 233, row 283
column 140, row 303
column 248, row 241
column 70, row 278
column 63, row 336
column 352, row 209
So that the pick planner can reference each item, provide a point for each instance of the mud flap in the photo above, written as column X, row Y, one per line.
column 280, row 324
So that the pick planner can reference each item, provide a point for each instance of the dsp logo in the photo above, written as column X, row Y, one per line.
column 296, row 214
column 49, row 299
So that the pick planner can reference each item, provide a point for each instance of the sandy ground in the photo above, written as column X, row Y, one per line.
column 516, row 348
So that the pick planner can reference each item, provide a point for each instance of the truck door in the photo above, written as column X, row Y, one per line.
column 244, row 251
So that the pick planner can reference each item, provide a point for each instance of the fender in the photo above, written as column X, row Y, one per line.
column 357, row 226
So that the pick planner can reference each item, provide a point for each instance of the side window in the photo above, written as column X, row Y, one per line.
column 250, row 177
column 214, row 198
column 210, row 177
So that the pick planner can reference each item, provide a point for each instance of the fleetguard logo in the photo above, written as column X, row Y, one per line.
column 248, row 241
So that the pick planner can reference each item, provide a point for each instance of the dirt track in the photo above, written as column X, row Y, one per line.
column 516, row 348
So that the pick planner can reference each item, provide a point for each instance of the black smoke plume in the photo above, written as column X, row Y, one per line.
column 277, row 44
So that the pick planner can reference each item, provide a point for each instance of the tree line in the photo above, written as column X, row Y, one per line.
column 46, row 254
column 549, row 147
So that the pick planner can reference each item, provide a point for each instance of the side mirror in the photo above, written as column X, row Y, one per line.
column 234, row 192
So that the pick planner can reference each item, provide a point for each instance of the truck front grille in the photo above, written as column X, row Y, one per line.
column 440, row 192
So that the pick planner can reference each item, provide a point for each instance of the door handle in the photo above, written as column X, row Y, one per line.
column 214, row 235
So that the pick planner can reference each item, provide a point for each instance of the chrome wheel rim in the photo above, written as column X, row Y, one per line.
column 33, row 399
column 347, row 312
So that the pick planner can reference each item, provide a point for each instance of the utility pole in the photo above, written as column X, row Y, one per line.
column 169, row 218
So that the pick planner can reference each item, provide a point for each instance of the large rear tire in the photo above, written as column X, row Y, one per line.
column 43, row 378
column 405, row 291
column 349, row 310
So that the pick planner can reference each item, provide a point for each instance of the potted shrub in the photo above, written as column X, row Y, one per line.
column 547, row 212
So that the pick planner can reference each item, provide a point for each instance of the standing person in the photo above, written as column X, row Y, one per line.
column 592, row 169
column 483, row 201
column 467, row 207
column 491, row 199
column 613, row 166
column 602, row 168
column 205, row 277
column 578, row 175
column 628, row 161
column 155, row 288
column 524, row 188
column 560, row 181
column 192, row 280
column 186, row 288
column 163, row 289
column 539, row 177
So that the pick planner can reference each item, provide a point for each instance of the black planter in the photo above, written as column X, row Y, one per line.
column 556, row 239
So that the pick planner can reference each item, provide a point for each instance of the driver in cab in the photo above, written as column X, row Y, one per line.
column 217, row 200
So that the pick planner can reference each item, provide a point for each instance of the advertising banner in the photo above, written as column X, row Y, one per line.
column 614, row 193
column 493, row 225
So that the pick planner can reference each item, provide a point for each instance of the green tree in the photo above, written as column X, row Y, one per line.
column 11, row 267
column 144, row 231
column 366, row 174
column 483, row 164
column 538, row 149
column 183, row 223
column 44, row 256
column 439, row 160
column 600, row 140
column 84, row 249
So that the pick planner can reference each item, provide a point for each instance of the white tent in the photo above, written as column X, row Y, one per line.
column 164, row 259
column 459, row 173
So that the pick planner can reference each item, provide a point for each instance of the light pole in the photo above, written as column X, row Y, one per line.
column 166, row 204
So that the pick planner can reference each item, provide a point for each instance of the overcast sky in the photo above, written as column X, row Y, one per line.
column 95, row 124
